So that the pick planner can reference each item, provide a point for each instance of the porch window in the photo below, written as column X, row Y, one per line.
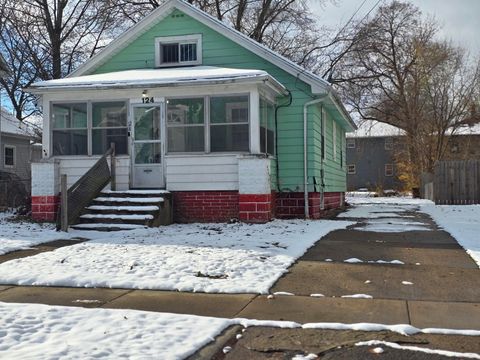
column 186, row 125
column 178, row 50
column 229, row 129
column 267, row 127
column 69, row 124
column 109, row 125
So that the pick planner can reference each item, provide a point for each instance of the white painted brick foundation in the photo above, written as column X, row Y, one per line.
column 254, row 175
column 45, row 178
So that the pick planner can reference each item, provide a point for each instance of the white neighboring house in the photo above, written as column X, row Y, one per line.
column 17, row 150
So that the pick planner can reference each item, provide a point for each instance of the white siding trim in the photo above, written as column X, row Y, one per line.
column 202, row 172
column 255, row 122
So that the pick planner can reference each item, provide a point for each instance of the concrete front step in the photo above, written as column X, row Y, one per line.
column 136, row 193
column 107, row 227
column 125, row 210
column 145, row 220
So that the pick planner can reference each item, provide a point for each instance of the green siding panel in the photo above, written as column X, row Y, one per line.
column 217, row 50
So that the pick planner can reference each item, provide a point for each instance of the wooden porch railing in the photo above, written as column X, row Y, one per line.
column 88, row 187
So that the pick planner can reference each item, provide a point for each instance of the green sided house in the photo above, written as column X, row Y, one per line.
column 229, row 128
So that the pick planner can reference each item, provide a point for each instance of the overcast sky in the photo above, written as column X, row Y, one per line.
column 460, row 18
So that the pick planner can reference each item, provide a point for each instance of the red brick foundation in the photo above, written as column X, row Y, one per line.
column 222, row 206
column 44, row 208
column 333, row 200
column 255, row 207
column 204, row 206
column 291, row 205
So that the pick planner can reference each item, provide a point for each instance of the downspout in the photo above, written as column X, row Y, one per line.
column 305, row 151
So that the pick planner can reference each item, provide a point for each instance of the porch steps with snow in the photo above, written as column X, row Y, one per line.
column 127, row 210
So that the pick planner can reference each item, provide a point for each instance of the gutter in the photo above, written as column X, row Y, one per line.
column 305, row 150
column 265, row 79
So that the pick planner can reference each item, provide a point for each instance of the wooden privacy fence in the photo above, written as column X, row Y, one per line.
column 453, row 183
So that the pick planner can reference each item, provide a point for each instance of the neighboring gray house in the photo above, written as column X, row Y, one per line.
column 16, row 155
column 371, row 155
column 371, row 163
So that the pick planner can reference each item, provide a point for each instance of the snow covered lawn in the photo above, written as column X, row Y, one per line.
column 31, row 331
column 213, row 258
column 462, row 222
column 23, row 235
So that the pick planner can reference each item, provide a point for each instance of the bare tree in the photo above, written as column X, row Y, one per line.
column 398, row 73
column 285, row 26
column 47, row 39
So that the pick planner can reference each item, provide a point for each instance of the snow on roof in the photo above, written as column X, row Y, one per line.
column 11, row 125
column 167, row 76
column 369, row 128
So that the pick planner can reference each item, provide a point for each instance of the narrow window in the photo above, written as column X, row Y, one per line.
column 334, row 134
column 69, row 129
column 351, row 169
column 388, row 169
column 388, row 143
column 229, row 123
column 267, row 127
column 186, row 125
column 109, row 125
column 324, row 124
column 351, row 143
column 9, row 156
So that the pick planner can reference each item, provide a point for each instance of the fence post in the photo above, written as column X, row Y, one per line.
column 64, row 203
column 113, row 171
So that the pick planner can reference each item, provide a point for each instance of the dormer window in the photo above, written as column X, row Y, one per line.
column 178, row 50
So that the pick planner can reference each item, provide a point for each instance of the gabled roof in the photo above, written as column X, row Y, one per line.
column 318, row 85
column 10, row 125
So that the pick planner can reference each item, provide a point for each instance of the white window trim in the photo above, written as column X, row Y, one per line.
column 89, row 127
column 351, row 143
column 207, row 123
column 184, row 39
column 14, row 156
column 388, row 173
column 354, row 169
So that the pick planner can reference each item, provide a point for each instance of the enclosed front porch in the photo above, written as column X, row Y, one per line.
column 184, row 130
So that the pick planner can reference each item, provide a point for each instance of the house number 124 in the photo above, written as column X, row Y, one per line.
column 147, row 100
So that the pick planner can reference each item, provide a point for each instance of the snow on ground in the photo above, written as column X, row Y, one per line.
column 393, row 345
column 462, row 222
column 390, row 200
column 32, row 331
column 393, row 225
column 385, row 214
column 23, row 235
column 213, row 258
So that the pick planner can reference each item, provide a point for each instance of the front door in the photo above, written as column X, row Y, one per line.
column 147, row 145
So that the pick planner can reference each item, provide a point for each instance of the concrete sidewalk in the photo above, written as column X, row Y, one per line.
column 443, row 288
